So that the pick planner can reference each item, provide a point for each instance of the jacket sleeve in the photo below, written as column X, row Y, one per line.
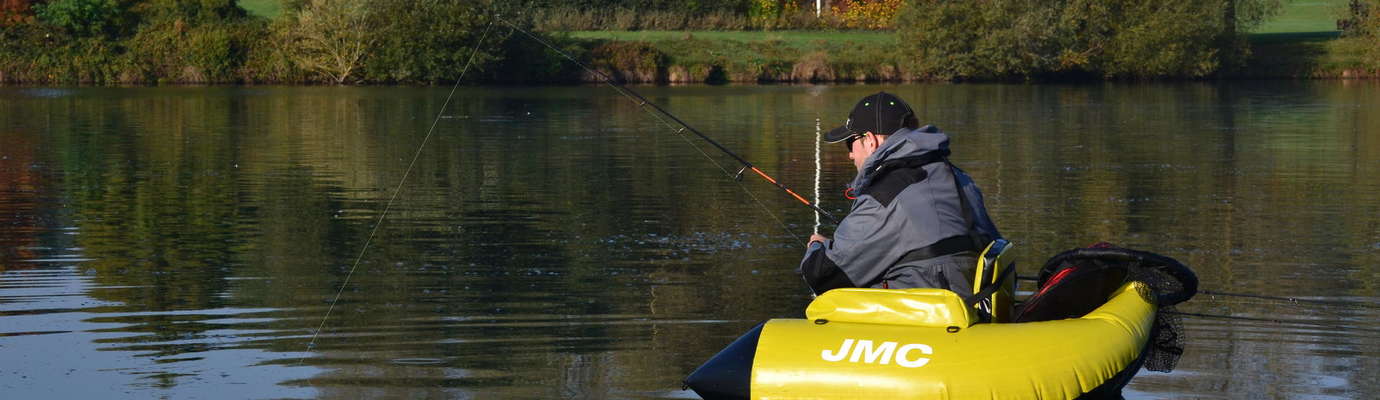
column 855, row 257
column 821, row 273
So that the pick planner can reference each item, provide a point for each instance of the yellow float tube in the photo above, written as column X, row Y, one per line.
column 925, row 344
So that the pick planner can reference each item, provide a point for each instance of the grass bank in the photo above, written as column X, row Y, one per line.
column 1305, row 16
column 394, row 42
column 1303, row 42
column 263, row 8
column 1306, row 55
column 746, row 57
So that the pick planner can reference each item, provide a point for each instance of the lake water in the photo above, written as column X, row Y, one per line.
column 558, row 242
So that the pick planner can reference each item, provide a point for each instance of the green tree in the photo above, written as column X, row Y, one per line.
column 85, row 17
column 1111, row 38
column 424, row 40
column 191, row 10
column 192, row 41
column 331, row 37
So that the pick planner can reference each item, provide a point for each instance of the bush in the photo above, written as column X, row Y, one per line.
column 1153, row 41
column 14, row 12
column 426, row 41
column 637, row 62
column 330, row 38
column 565, row 19
column 718, row 20
column 770, row 14
column 984, row 40
column 1024, row 39
column 85, row 17
column 1364, row 33
column 526, row 61
column 191, row 41
column 877, row 14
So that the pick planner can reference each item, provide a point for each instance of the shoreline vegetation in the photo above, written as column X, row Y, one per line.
column 134, row 42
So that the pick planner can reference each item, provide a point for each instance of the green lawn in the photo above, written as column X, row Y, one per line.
column 1303, row 41
column 792, row 37
column 1305, row 16
column 263, row 8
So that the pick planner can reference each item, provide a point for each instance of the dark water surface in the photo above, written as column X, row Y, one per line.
column 559, row 242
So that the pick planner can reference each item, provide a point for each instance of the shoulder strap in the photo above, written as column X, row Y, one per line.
column 990, row 289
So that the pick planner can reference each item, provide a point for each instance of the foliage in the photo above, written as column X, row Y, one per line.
column 560, row 19
column 424, row 40
column 1153, row 41
column 1250, row 14
column 14, row 12
column 526, row 61
column 625, row 15
column 770, row 14
column 1009, row 39
column 190, row 10
column 686, row 7
column 428, row 41
column 38, row 53
column 331, row 37
column 84, row 17
column 1358, row 20
column 191, row 41
column 875, row 14
column 1365, row 34
column 629, row 61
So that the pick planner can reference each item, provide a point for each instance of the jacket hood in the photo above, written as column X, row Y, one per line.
column 902, row 144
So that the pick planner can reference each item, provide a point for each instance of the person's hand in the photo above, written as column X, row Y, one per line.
column 817, row 238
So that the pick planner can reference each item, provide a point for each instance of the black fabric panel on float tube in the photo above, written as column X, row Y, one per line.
column 728, row 375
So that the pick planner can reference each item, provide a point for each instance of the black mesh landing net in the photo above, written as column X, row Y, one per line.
column 1075, row 282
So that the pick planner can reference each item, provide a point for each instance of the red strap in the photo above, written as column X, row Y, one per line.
column 848, row 193
column 1057, row 277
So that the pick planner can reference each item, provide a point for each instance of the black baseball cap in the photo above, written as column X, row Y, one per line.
column 880, row 113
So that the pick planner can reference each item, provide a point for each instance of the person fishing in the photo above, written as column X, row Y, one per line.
column 917, row 221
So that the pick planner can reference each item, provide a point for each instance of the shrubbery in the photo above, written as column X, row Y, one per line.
column 1023, row 39
column 1363, row 31
column 215, row 41
column 192, row 42
column 729, row 16
column 558, row 19
column 84, row 17
column 429, row 41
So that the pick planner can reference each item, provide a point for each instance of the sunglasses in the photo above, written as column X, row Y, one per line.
column 848, row 142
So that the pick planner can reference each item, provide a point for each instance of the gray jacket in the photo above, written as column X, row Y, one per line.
column 907, row 210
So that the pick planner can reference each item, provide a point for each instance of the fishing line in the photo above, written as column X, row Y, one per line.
column 1287, row 299
column 659, row 112
column 1293, row 300
column 397, row 190
column 1275, row 321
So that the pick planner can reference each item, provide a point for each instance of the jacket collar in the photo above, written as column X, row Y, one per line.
column 905, row 143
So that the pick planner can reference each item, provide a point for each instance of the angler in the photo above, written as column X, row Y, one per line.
column 917, row 221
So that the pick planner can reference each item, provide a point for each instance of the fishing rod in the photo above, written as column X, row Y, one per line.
column 818, row 168
column 684, row 127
